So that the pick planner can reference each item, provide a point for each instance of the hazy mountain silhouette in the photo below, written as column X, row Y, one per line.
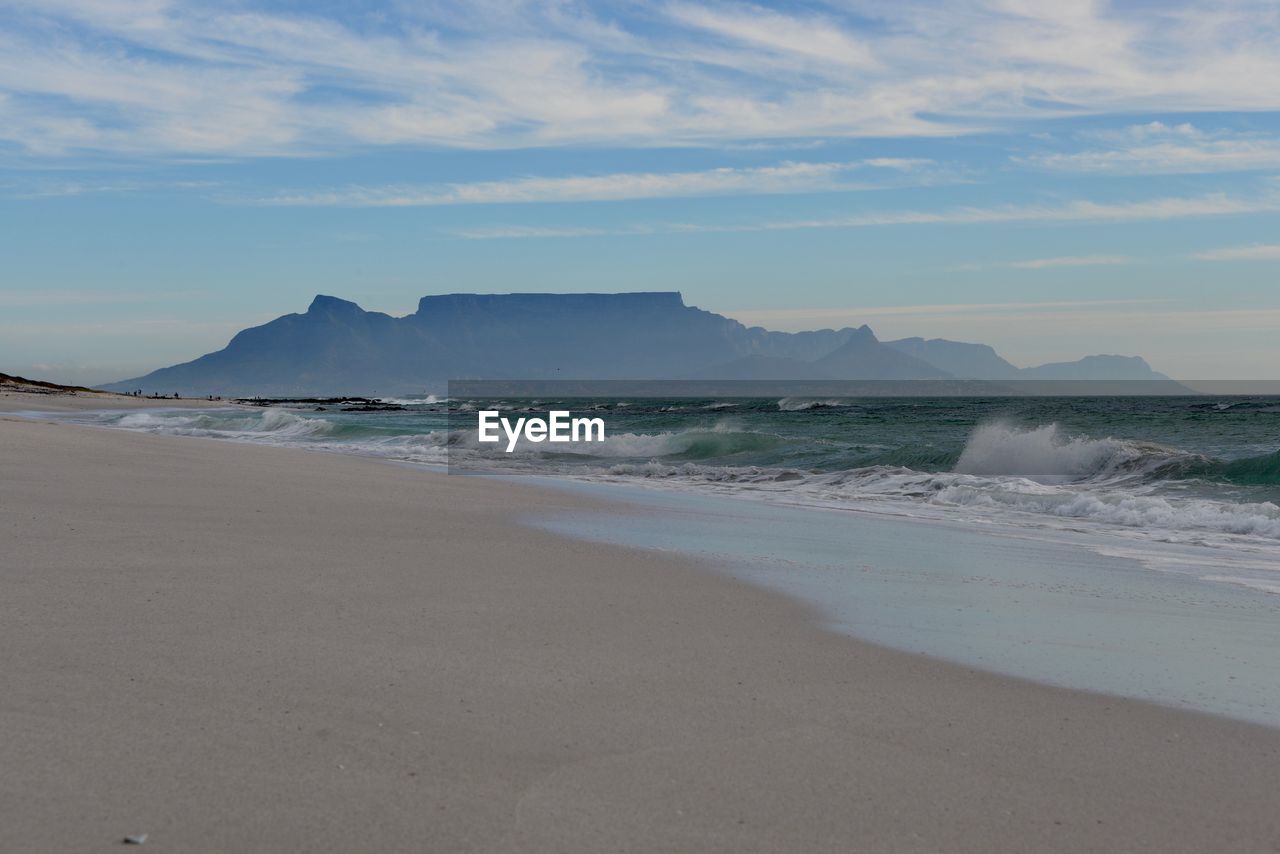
column 968, row 361
column 981, row 362
column 863, row 357
column 336, row 347
column 859, row 357
column 1095, row 368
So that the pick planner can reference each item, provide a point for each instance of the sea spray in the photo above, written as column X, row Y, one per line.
column 1000, row 448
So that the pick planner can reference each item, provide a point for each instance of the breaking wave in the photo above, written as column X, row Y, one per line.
column 1047, row 453
column 425, row 400
column 801, row 404
column 274, row 423
column 1025, row 475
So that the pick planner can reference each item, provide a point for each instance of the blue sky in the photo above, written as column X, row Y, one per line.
column 1052, row 178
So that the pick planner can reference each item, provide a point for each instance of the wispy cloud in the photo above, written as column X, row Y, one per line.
column 522, row 232
column 44, row 297
column 1156, row 148
column 1119, row 325
column 174, row 327
column 1070, row 261
column 788, row 177
column 1042, row 263
column 1256, row 252
column 35, row 185
column 806, row 318
column 178, row 77
column 68, row 189
column 821, row 41
column 1083, row 211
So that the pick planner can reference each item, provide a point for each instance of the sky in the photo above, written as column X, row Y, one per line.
column 1052, row 177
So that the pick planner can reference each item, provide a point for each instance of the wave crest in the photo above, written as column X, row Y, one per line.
column 999, row 448
column 270, row 423
column 801, row 404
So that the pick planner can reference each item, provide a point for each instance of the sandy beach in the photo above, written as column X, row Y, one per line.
column 235, row 647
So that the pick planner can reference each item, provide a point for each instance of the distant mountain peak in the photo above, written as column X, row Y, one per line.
column 324, row 304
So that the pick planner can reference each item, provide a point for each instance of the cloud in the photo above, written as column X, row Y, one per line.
column 182, row 78
column 1156, row 148
column 517, row 232
column 788, row 177
column 67, row 189
column 1083, row 211
column 1070, row 261
column 1256, row 252
column 45, row 297
column 806, row 318
column 120, row 328
column 819, row 40
column 1124, row 325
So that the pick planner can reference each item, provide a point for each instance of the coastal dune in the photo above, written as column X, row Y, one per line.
column 236, row 647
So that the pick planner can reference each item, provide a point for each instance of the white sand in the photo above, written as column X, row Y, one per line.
column 240, row 648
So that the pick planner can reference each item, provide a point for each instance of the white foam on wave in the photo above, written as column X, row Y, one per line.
column 273, row 424
column 801, row 404
column 1164, row 517
column 992, row 498
column 426, row 400
column 1047, row 452
column 150, row 420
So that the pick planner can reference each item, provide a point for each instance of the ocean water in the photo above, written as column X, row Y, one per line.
column 1199, row 473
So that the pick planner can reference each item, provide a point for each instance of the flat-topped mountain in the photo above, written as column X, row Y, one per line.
column 336, row 347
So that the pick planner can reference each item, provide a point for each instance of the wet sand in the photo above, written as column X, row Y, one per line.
column 234, row 647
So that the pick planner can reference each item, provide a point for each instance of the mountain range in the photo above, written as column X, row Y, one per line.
column 336, row 347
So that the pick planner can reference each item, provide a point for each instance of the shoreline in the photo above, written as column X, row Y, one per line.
column 230, row 645
column 1174, row 656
